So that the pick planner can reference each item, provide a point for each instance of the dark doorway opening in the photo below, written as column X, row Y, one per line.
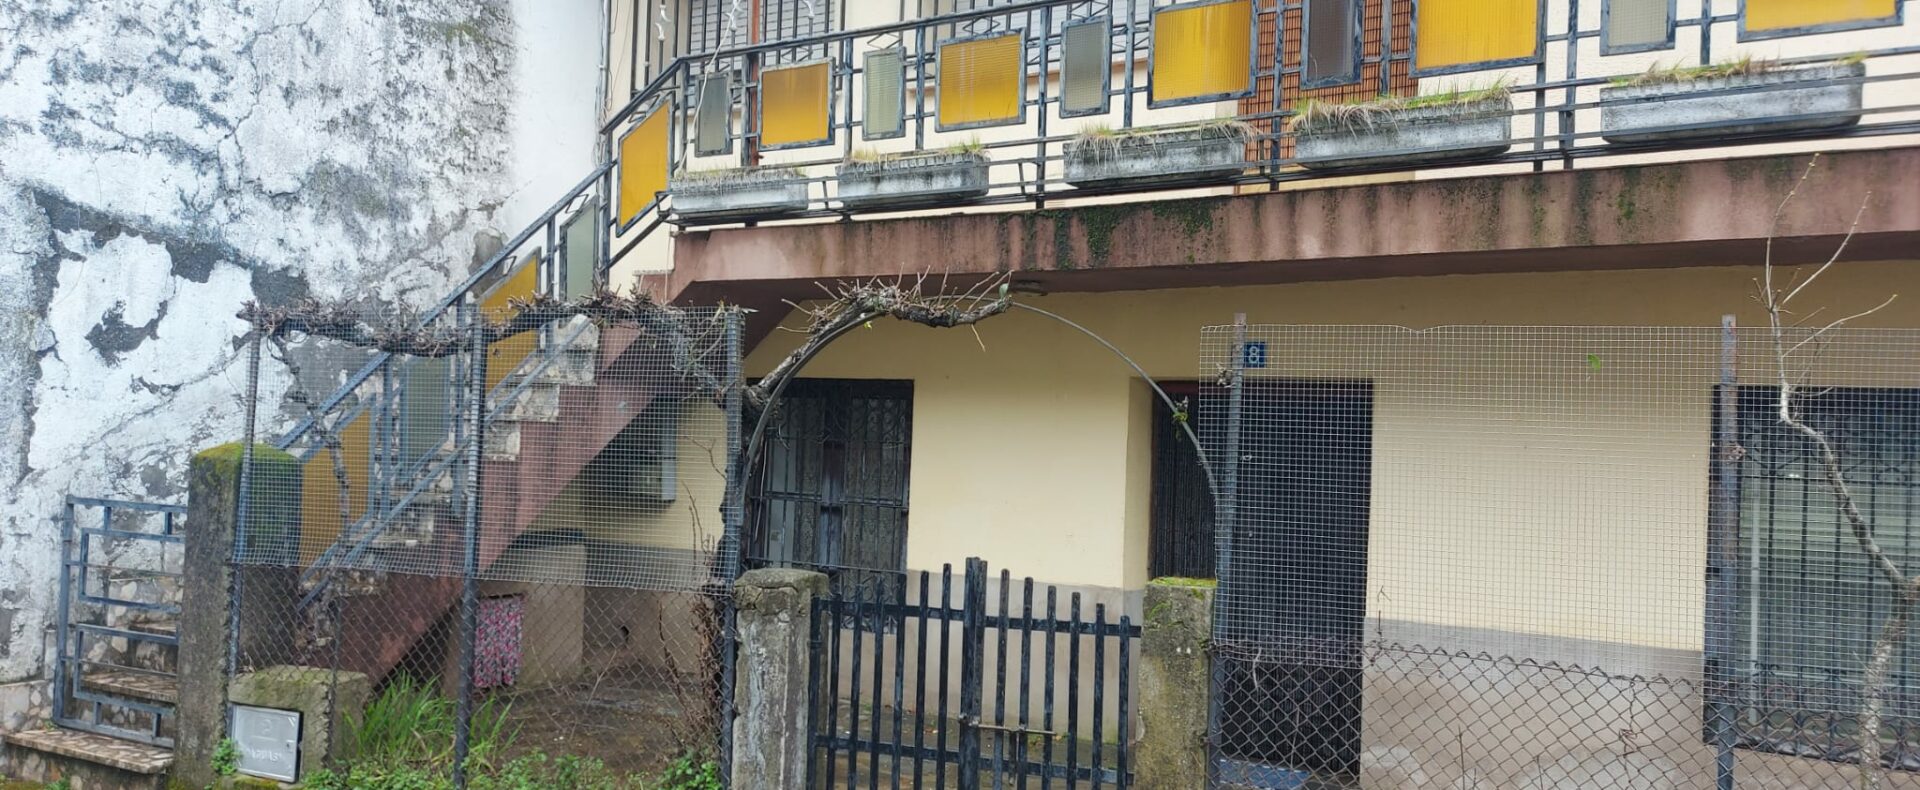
column 1180, row 539
column 1293, row 604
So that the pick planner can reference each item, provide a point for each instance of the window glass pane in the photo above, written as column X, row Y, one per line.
column 714, row 121
column 1330, row 41
column 1639, row 23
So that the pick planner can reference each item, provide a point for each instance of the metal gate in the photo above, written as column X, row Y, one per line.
column 918, row 692
column 115, row 661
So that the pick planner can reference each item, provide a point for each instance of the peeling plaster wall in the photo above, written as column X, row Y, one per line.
column 162, row 162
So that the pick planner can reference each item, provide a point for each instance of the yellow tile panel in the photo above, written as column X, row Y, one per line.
column 980, row 81
column 1203, row 50
column 505, row 355
column 1764, row 15
column 793, row 104
column 643, row 163
column 320, row 521
column 1464, row 32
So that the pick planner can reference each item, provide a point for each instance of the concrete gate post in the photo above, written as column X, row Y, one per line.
column 1175, row 675
column 775, row 623
column 206, row 593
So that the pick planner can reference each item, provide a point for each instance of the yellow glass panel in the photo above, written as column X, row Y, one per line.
column 1464, row 32
column 793, row 107
column 1783, row 14
column 320, row 522
column 981, row 81
column 643, row 163
column 505, row 355
column 1202, row 50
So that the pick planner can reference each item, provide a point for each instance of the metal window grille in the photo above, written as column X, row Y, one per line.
column 831, row 490
column 1811, row 604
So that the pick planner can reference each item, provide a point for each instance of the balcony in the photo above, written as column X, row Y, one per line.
column 1046, row 102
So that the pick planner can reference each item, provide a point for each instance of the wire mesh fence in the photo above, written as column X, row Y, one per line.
column 1518, row 557
column 513, row 561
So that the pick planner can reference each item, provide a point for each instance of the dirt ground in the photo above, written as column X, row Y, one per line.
column 629, row 723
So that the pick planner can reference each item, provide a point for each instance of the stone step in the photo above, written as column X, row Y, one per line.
column 503, row 442
column 86, row 760
column 537, row 403
column 143, row 686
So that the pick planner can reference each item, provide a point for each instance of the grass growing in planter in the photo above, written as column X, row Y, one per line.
column 1102, row 140
column 1321, row 117
column 1746, row 66
column 737, row 174
column 868, row 156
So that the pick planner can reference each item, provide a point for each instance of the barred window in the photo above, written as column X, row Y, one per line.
column 720, row 24
column 1810, row 603
column 830, row 488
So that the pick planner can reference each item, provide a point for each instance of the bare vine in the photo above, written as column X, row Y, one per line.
column 1782, row 321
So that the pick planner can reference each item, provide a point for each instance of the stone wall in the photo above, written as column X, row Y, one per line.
column 162, row 163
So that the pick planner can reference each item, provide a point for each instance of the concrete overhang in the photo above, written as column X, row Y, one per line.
column 1699, row 213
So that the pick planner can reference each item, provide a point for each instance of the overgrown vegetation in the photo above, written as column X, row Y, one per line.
column 1326, row 116
column 1745, row 66
column 969, row 147
column 226, row 757
column 404, row 741
column 723, row 175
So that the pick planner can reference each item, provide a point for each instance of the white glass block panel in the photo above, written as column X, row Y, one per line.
column 1084, row 67
column 885, row 94
column 713, row 125
column 1638, row 23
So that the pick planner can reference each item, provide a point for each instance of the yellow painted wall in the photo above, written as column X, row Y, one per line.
column 690, row 521
column 1573, row 507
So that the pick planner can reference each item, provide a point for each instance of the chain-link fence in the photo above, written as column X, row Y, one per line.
column 1496, row 557
column 519, row 558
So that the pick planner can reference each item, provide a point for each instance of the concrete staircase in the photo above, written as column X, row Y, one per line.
column 543, row 439
column 119, row 662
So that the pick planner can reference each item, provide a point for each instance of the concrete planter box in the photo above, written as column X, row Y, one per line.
column 738, row 195
column 1778, row 102
column 913, row 181
column 1422, row 135
column 1188, row 155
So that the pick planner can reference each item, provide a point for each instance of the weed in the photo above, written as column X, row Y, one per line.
column 1323, row 116
column 1101, row 140
column 689, row 772
column 410, row 723
column 226, row 757
column 1746, row 66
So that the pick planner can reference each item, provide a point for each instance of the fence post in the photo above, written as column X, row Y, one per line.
column 208, row 590
column 476, row 410
column 1174, row 673
column 774, row 615
column 1226, row 516
column 1723, row 535
column 973, row 638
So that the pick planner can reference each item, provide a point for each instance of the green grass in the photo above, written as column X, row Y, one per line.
column 1323, row 116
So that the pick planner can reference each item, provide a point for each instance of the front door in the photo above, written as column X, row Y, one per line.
column 1293, row 602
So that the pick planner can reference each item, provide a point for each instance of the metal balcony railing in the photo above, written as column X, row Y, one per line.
column 1028, row 84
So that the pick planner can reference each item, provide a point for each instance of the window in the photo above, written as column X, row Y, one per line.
column 721, row 24
column 1333, row 42
column 831, row 481
column 1809, row 603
